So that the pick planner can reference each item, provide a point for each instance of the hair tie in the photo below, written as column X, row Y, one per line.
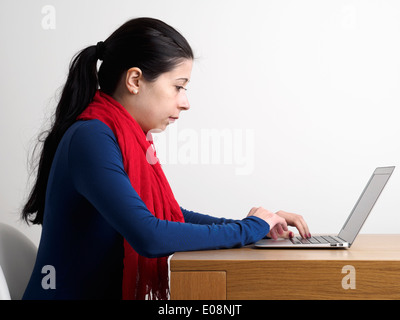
column 100, row 50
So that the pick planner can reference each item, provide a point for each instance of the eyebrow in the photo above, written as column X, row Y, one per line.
column 184, row 79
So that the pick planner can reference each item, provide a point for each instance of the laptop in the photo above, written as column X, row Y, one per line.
column 352, row 226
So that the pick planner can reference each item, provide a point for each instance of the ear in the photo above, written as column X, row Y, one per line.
column 133, row 75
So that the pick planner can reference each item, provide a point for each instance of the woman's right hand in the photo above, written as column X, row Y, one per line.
column 278, row 226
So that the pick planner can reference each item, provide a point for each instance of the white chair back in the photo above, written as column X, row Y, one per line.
column 17, row 258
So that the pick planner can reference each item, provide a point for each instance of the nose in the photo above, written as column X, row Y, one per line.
column 183, row 102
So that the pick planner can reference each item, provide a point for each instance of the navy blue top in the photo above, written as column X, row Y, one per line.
column 91, row 206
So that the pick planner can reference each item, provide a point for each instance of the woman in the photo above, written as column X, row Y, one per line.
column 109, row 218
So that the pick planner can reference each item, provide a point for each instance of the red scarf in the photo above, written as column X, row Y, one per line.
column 141, row 276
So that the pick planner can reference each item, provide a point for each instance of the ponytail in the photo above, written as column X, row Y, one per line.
column 78, row 92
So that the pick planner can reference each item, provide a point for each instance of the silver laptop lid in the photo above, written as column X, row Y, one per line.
column 365, row 203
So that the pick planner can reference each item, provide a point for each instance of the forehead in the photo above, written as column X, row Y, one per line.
column 181, row 72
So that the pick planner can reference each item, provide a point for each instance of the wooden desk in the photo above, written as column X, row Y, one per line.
column 370, row 269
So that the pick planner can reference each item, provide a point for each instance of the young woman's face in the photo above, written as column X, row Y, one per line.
column 159, row 103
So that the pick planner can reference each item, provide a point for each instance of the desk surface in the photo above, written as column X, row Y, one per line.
column 372, row 265
column 366, row 247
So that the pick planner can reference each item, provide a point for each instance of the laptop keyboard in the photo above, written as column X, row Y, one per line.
column 316, row 240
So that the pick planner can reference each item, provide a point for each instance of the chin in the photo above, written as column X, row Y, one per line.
column 158, row 129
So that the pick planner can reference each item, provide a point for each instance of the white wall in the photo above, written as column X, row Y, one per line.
column 302, row 95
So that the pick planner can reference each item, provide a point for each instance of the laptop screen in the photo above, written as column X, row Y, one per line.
column 365, row 203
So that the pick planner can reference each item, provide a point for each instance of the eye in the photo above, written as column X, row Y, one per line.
column 179, row 88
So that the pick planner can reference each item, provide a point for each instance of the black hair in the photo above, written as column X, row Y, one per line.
column 146, row 43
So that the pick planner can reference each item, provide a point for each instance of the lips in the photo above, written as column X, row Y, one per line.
column 172, row 119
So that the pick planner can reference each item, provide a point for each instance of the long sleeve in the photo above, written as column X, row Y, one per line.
column 96, row 167
column 199, row 218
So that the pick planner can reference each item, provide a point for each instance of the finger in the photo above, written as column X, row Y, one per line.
column 273, row 234
column 279, row 229
column 305, row 231
column 302, row 227
column 279, row 232
column 301, row 230
column 287, row 234
column 283, row 224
